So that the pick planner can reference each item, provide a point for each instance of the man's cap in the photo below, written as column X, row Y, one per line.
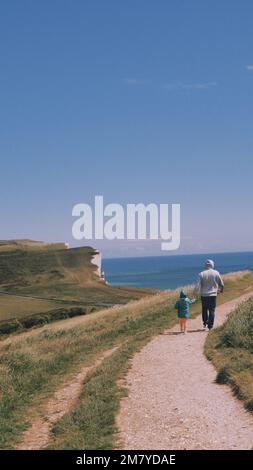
column 209, row 263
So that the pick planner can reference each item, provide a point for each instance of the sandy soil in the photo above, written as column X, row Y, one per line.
column 174, row 402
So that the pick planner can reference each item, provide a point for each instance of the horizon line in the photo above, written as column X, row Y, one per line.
column 179, row 254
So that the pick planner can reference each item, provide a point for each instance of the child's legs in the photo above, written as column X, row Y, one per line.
column 183, row 323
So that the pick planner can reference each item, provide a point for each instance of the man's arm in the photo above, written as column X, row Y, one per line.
column 220, row 283
column 197, row 286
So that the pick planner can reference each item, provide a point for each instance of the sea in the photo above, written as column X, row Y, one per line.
column 169, row 272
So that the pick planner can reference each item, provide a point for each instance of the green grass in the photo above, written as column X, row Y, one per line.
column 18, row 307
column 18, row 313
column 91, row 424
column 230, row 348
column 33, row 367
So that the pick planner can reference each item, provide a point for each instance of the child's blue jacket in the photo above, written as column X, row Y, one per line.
column 183, row 307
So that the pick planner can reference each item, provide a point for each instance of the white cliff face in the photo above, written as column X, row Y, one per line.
column 97, row 260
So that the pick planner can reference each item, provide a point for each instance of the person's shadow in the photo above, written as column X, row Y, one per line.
column 174, row 333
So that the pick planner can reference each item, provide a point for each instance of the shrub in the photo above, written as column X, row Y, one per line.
column 40, row 319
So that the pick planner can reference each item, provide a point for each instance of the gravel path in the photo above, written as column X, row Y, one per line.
column 173, row 401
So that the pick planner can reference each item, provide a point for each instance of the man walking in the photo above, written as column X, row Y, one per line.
column 209, row 284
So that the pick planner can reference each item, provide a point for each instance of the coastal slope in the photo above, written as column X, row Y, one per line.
column 37, row 277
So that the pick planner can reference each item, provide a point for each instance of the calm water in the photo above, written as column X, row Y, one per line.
column 168, row 272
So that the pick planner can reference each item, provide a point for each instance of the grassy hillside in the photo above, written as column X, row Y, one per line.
column 19, row 313
column 51, row 271
column 15, row 245
column 32, row 367
column 230, row 348
column 43, row 272
column 17, row 307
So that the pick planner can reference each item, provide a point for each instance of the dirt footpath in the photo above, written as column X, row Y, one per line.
column 174, row 402
column 37, row 436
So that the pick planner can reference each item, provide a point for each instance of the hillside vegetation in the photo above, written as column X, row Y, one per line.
column 31, row 271
column 33, row 367
column 230, row 348
column 14, row 245
column 14, row 306
column 46, row 272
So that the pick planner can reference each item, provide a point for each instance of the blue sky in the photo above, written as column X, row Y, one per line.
column 140, row 101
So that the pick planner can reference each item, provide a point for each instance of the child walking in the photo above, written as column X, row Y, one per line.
column 183, row 307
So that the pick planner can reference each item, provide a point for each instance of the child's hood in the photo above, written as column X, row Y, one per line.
column 183, row 294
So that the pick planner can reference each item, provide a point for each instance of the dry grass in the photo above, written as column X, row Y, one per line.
column 236, row 275
column 230, row 348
